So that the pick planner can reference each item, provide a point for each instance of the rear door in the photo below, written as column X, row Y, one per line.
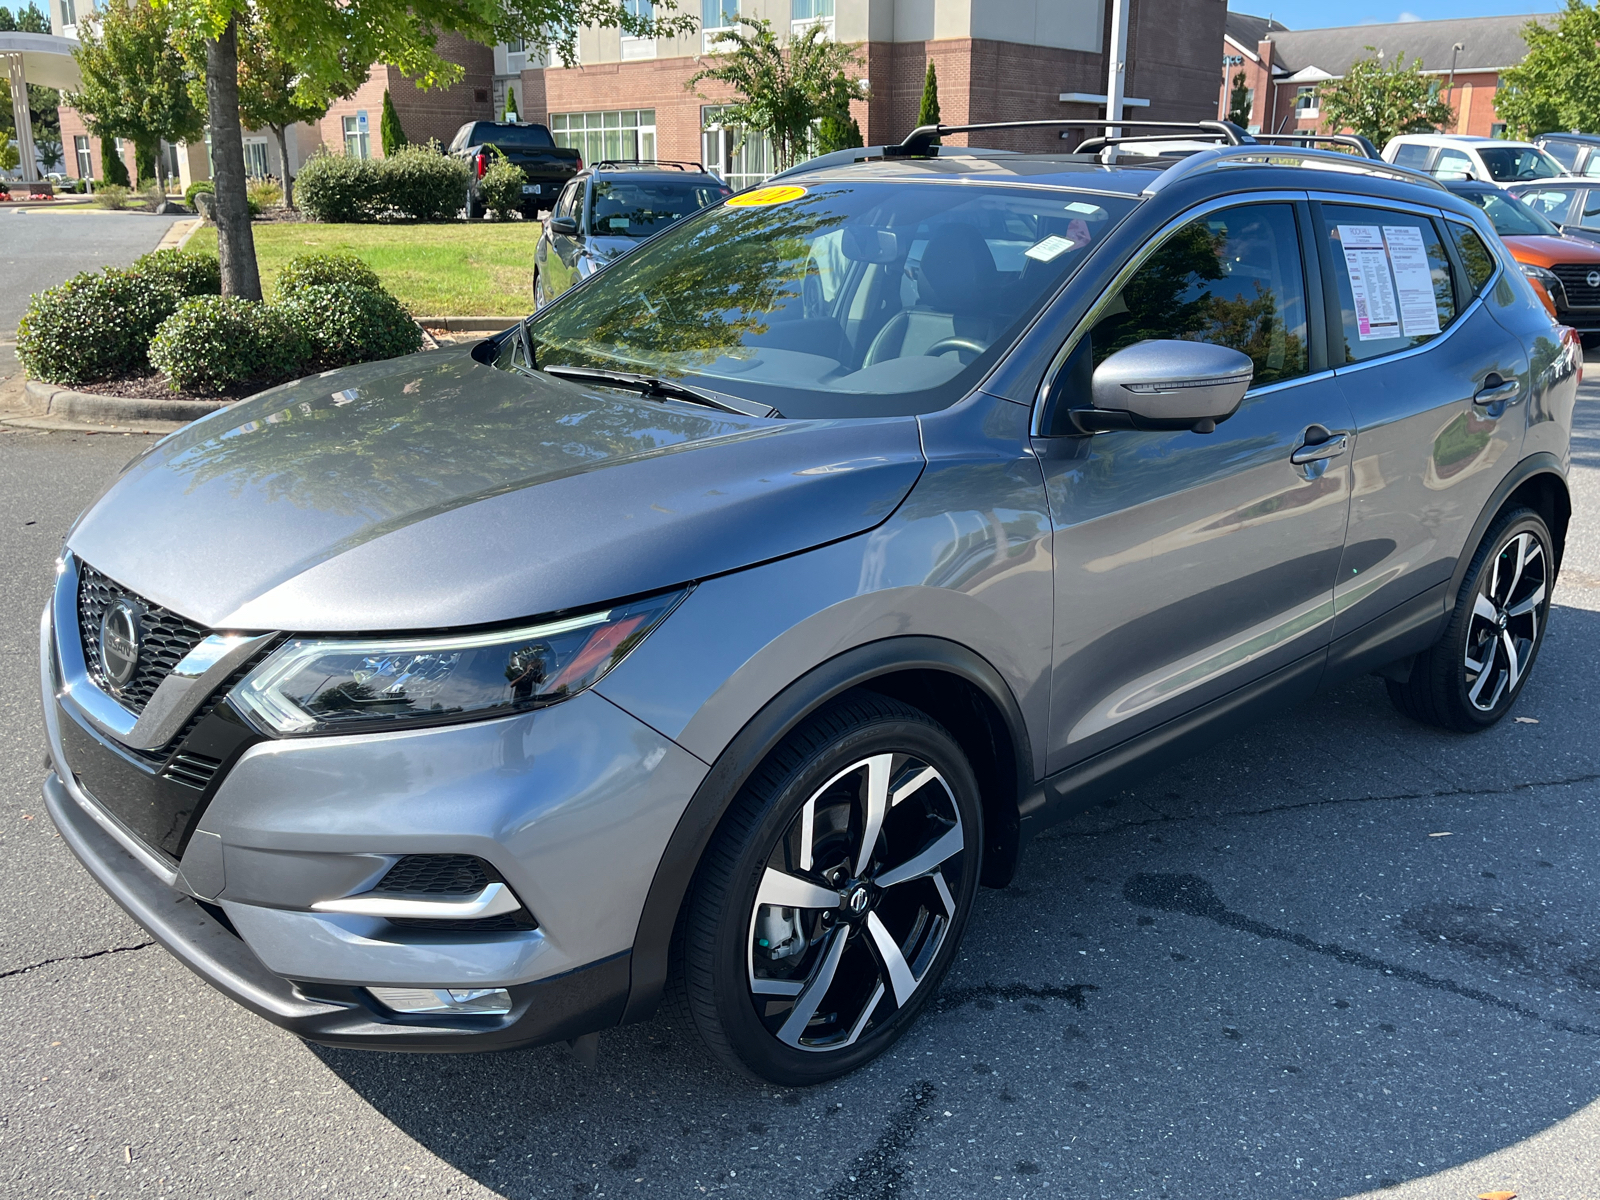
column 1188, row 565
column 1430, row 376
column 560, row 268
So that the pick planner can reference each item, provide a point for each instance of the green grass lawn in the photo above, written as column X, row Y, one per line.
column 484, row 269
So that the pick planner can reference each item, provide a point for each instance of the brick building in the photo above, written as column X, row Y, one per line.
column 1284, row 68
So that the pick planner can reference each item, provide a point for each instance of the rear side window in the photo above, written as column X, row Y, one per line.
column 1565, row 153
column 1412, row 155
column 1232, row 278
column 1456, row 162
column 1587, row 211
column 1553, row 203
column 1393, row 278
column 1475, row 258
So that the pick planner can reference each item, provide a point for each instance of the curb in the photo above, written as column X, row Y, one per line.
column 47, row 401
column 472, row 324
column 178, row 234
column 48, row 424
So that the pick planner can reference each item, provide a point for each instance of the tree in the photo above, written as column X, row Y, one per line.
column 511, row 105
column 135, row 81
column 928, row 110
column 27, row 20
column 10, row 156
column 837, row 130
column 1240, row 102
column 322, row 39
column 781, row 90
column 389, row 128
column 269, row 97
column 1380, row 102
column 112, row 168
column 1557, row 86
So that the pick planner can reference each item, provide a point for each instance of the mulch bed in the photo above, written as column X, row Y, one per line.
column 155, row 387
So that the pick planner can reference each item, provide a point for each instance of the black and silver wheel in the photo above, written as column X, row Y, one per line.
column 1470, row 677
column 832, row 899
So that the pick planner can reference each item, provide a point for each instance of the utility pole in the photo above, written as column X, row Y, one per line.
column 1116, row 66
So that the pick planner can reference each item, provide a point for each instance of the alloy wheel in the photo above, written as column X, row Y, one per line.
column 1506, row 612
column 855, row 901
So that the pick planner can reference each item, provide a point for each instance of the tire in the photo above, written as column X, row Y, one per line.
column 475, row 209
column 537, row 303
column 1501, row 610
column 875, row 931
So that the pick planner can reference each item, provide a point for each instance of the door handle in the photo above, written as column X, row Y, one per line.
column 1496, row 389
column 1330, row 447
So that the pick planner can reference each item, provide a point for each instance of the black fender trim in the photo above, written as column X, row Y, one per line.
column 1542, row 463
column 854, row 668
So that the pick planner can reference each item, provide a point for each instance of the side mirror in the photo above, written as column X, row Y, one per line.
column 564, row 225
column 1165, row 385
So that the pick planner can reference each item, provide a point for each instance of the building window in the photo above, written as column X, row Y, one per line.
column 738, row 157
column 357, row 139
column 1305, row 102
column 1497, row 130
column 255, row 155
column 639, row 47
column 628, row 134
column 716, row 18
column 69, row 12
column 80, row 151
column 803, row 14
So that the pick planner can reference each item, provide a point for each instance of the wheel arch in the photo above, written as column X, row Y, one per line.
column 951, row 683
column 1537, row 481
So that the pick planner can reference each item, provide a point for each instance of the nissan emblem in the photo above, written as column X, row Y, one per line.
column 1592, row 278
column 119, row 642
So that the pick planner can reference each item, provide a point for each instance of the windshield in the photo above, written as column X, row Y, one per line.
column 638, row 208
column 1510, row 216
column 833, row 299
column 1507, row 163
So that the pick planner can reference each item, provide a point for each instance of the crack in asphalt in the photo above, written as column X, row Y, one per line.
column 954, row 998
column 74, row 958
column 877, row 1174
column 1442, row 794
column 1194, row 896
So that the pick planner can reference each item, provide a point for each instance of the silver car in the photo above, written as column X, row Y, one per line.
column 715, row 633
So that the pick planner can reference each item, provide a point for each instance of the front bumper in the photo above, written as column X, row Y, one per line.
column 572, row 805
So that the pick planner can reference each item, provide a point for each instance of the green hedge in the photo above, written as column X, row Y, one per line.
column 218, row 343
column 325, row 270
column 501, row 187
column 199, row 185
column 99, row 325
column 348, row 324
column 416, row 183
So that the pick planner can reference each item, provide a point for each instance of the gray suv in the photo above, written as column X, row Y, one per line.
column 714, row 633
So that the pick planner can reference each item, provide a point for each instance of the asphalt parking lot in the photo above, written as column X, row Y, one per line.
column 1337, row 954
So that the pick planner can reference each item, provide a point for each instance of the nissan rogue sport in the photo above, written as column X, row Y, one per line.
column 715, row 632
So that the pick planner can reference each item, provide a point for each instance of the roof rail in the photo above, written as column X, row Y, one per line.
column 1354, row 140
column 919, row 142
column 1285, row 156
column 643, row 164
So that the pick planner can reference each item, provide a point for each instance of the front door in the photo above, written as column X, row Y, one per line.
column 1187, row 564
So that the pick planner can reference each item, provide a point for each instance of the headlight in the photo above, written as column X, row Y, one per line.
column 1544, row 277
column 334, row 685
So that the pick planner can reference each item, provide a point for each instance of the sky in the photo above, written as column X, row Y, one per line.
column 1315, row 14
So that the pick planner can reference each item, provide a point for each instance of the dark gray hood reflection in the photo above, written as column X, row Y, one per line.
column 433, row 491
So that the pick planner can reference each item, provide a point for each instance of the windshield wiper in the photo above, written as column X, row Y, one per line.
column 652, row 388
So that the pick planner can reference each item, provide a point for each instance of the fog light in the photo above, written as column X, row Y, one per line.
column 492, row 1002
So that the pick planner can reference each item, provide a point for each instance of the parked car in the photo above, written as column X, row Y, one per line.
column 607, row 210
column 546, row 165
column 718, row 629
column 1578, row 153
column 1457, row 156
column 1560, row 268
column 1570, row 202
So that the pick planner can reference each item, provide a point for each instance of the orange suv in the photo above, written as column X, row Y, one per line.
column 1564, row 271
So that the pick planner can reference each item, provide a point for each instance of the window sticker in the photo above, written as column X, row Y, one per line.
column 1371, row 284
column 762, row 197
column 1088, row 210
column 1413, row 280
column 1051, row 247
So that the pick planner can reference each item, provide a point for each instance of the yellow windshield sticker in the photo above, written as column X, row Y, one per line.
column 761, row 197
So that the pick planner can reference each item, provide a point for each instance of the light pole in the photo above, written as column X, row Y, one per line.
column 1454, row 50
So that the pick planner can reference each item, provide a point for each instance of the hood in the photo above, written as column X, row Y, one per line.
column 1543, row 251
column 434, row 491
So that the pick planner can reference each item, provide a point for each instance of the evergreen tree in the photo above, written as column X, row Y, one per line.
column 928, row 110
column 1239, row 102
column 511, row 105
column 837, row 130
column 389, row 128
column 112, row 168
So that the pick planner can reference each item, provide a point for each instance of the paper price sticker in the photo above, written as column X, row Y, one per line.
column 1371, row 285
column 1408, row 259
column 762, row 197
column 1052, row 247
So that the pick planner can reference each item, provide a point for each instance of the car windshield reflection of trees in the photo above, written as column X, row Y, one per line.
column 866, row 299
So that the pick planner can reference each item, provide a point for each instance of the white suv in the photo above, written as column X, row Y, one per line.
column 1488, row 160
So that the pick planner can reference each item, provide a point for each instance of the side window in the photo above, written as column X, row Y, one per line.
column 1232, row 278
column 1588, row 216
column 1475, row 258
column 1591, row 166
column 1412, row 155
column 1393, row 278
column 1549, row 202
column 1565, row 153
column 1456, row 162
column 565, row 202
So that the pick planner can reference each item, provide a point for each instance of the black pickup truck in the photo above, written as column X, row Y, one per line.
column 547, row 165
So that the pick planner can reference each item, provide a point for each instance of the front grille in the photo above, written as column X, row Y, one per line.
column 192, row 770
column 438, row 875
column 164, row 638
column 1575, row 282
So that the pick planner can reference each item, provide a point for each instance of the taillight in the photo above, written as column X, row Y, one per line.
column 580, row 162
column 483, row 163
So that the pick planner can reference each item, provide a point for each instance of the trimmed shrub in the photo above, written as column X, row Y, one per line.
column 501, row 187
column 350, row 324
column 421, row 183
column 325, row 270
column 263, row 194
column 338, row 190
column 99, row 326
column 222, row 343
column 199, row 185
column 111, row 195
